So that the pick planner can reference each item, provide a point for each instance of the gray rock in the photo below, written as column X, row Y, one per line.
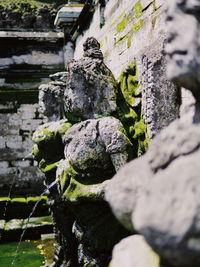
column 91, row 87
column 180, row 138
column 133, row 251
column 183, row 23
column 168, row 213
column 126, row 187
column 59, row 76
column 94, row 145
column 50, row 100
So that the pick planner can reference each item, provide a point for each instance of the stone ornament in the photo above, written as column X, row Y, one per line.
column 82, row 147
column 182, row 48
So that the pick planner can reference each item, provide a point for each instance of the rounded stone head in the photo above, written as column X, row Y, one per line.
column 183, row 46
column 91, row 48
column 50, row 101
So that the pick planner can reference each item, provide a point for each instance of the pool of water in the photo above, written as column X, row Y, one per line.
column 30, row 254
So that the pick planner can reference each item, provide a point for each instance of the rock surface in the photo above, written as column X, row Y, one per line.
column 126, row 187
column 168, row 214
column 134, row 251
column 51, row 96
column 91, row 87
column 95, row 144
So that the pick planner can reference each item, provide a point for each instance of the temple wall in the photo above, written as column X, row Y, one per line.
column 26, row 60
column 134, row 31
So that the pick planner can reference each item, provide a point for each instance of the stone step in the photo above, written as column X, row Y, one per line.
column 13, row 229
column 20, row 207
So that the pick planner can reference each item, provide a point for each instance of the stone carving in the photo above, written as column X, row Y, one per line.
column 164, row 183
column 183, row 66
column 51, row 96
column 82, row 156
column 91, row 87
column 160, row 106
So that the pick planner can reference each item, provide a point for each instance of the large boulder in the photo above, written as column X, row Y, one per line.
column 168, row 213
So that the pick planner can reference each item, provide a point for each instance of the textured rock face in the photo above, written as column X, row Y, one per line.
column 168, row 214
column 91, row 87
column 94, row 145
column 125, row 189
column 172, row 195
column 167, row 209
column 82, row 157
column 51, row 96
column 183, row 49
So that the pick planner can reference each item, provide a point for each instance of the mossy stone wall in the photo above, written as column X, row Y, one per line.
column 134, row 31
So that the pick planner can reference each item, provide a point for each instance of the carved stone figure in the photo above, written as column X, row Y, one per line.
column 51, row 96
column 82, row 156
column 163, row 185
column 183, row 46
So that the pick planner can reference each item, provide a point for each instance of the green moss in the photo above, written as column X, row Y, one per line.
column 137, row 26
column 80, row 191
column 31, row 200
column 122, row 25
column 28, row 254
column 101, row 44
column 33, row 3
column 116, row 20
column 19, row 200
column 129, row 42
column 138, row 9
column 72, row 118
column 3, row 199
column 47, row 166
column 129, row 109
column 51, row 131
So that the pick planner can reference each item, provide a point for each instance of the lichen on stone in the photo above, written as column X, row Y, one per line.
column 129, row 109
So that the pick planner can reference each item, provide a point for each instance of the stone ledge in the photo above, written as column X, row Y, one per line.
column 28, row 34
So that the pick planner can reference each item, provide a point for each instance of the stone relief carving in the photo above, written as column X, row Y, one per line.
column 157, row 194
column 82, row 152
column 161, row 98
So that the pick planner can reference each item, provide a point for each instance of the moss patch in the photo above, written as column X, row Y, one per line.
column 28, row 255
column 129, row 109
column 138, row 9
column 137, row 26
column 122, row 25
column 33, row 3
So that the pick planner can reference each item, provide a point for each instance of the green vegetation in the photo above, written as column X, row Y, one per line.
column 129, row 109
column 138, row 9
column 122, row 25
column 28, row 255
column 137, row 26
column 33, row 3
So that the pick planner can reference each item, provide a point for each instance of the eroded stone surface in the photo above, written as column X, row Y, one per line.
column 91, row 87
column 82, row 157
column 134, row 251
column 126, row 187
column 168, row 213
column 51, row 96
column 183, row 49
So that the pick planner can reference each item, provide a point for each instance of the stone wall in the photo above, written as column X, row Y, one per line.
column 26, row 60
column 134, row 31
